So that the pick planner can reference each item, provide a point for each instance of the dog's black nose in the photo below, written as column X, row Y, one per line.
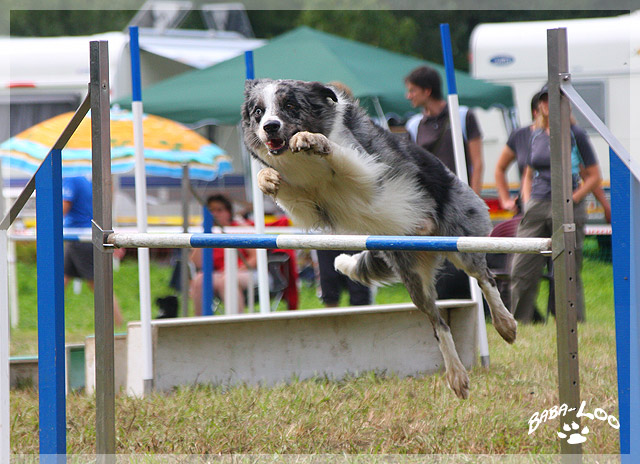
column 271, row 127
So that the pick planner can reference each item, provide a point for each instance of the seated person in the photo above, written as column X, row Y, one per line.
column 222, row 211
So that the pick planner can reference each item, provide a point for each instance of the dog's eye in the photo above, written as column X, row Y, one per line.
column 257, row 112
column 290, row 106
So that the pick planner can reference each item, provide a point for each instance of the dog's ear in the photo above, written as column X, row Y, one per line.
column 249, row 84
column 323, row 91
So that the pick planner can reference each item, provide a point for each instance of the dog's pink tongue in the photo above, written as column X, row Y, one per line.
column 275, row 144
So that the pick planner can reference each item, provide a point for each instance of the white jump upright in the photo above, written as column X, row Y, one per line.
column 144, row 280
column 258, row 212
column 461, row 170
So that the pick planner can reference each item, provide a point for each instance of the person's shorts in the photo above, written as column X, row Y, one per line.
column 78, row 260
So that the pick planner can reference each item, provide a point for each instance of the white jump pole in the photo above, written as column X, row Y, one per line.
column 334, row 242
column 461, row 169
column 141, row 210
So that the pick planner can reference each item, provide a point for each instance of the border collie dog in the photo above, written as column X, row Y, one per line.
column 328, row 166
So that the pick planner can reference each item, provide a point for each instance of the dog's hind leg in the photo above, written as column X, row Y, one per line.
column 475, row 265
column 367, row 267
column 417, row 273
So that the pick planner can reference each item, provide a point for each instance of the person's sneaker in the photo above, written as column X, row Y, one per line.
column 168, row 307
column 537, row 317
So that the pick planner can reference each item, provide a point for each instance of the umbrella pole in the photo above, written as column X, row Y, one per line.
column 141, row 211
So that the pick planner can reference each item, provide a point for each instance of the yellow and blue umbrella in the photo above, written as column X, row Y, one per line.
column 167, row 146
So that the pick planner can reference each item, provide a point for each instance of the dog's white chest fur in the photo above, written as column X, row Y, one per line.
column 342, row 190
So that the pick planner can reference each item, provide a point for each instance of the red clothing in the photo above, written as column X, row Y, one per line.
column 218, row 254
column 291, row 293
column 218, row 258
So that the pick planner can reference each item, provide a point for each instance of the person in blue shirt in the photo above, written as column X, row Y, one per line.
column 77, row 208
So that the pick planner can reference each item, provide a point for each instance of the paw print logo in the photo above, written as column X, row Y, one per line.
column 575, row 437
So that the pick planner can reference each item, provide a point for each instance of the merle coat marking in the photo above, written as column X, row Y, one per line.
column 330, row 167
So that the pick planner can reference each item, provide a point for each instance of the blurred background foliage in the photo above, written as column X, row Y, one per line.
column 412, row 32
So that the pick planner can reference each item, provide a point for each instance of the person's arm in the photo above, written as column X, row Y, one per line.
column 506, row 158
column 590, row 180
column 598, row 192
column 250, row 258
column 525, row 190
column 477, row 164
column 66, row 207
column 196, row 257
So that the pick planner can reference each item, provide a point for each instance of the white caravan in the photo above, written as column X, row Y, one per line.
column 42, row 77
column 604, row 62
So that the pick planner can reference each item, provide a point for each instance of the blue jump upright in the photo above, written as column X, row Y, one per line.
column 207, row 266
column 50, row 271
column 625, row 202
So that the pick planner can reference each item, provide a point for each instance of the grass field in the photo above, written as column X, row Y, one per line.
column 372, row 414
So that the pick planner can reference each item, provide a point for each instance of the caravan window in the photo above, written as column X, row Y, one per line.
column 593, row 93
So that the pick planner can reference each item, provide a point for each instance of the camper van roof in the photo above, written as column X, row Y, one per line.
column 597, row 46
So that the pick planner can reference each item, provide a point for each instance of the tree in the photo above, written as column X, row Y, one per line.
column 400, row 32
column 47, row 23
column 412, row 32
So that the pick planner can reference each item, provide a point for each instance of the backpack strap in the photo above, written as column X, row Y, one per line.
column 412, row 124
column 463, row 121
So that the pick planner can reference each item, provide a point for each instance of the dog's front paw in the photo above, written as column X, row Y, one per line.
column 306, row 141
column 269, row 181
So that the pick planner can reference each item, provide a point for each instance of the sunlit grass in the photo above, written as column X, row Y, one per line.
column 374, row 413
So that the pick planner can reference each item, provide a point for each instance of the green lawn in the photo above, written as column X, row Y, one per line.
column 374, row 413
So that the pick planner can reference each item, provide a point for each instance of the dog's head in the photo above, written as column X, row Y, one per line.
column 273, row 111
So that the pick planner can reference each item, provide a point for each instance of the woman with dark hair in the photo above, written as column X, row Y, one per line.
column 222, row 211
column 536, row 199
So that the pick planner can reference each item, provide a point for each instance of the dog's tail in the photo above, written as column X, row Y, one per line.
column 367, row 268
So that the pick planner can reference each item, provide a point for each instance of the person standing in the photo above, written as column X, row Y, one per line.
column 431, row 129
column 537, row 220
column 77, row 209
column 516, row 149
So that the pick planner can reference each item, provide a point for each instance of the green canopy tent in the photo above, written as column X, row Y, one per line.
column 215, row 94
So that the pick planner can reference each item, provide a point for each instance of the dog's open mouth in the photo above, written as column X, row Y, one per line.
column 276, row 145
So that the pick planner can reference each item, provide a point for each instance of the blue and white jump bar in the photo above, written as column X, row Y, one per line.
column 333, row 242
